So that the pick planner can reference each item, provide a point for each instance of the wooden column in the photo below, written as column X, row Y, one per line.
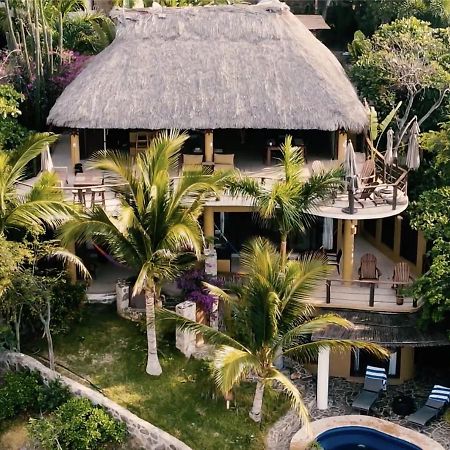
column 208, row 222
column 209, row 146
column 74, row 147
column 339, row 235
column 421, row 250
column 342, row 144
column 397, row 235
column 348, row 249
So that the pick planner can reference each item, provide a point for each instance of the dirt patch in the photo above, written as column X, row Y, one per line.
column 15, row 437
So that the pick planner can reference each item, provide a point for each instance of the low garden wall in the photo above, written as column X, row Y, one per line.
column 144, row 434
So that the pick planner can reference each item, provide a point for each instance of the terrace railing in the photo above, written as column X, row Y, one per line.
column 368, row 290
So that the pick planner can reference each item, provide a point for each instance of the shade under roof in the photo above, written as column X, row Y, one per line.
column 239, row 66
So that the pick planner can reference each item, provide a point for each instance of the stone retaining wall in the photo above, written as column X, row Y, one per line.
column 143, row 433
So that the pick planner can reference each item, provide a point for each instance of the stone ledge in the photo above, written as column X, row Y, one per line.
column 143, row 433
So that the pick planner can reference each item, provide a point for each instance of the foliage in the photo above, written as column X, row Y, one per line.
column 43, row 205
column 12, row 256
column 192, row 284
column 77, row 425
column 287, row 203
column 271, row 318
column 9, row 101
column 406, row 61
column 157, row 232
column 88, row 32
column 25, row 392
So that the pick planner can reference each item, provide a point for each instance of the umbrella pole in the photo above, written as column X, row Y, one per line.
column 351, row 197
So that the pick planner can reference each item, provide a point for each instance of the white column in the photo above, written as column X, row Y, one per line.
column 185, row 340
column 323, row 371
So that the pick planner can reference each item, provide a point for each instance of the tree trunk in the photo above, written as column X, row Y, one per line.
column 255, row 413
column 283, row 246
column 153, row 366
column 51, row 353
column 17, row 320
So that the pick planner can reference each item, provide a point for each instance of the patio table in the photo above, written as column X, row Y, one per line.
column 86, row 180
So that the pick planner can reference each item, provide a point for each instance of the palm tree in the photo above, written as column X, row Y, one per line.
column 272, row 318
column 37, row 208
column 288, row 201
column 157, row 224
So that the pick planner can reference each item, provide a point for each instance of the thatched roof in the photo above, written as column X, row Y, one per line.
column 240, row 66
column 392, row 330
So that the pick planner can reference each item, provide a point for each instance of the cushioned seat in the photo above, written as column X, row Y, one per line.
column 223, row 162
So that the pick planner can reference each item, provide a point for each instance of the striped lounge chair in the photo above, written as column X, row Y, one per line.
column 375, row 381
column 434, row 406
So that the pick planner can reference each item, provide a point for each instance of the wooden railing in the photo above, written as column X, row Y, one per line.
column 372, row 286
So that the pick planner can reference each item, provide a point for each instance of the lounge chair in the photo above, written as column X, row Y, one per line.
column 368, row 269
column 317, row 167
column 374, row 382
column 367, row 174
column 192, row 163
column 223, row 162
column 434, row 406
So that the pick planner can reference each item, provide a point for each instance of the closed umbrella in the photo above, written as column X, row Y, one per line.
column 46, row 160
column 413, row 156
column 389, row 155
column 350, row 176
column 327, row 234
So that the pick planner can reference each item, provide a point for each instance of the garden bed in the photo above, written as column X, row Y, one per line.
column 110, row 352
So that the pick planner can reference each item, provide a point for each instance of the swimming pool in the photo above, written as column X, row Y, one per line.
column 361, row 438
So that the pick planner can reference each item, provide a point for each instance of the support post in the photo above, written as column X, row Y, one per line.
column 328, row 285
column 323, row 372
column 208, row 222
column 339, row 235
column 342, row 143
column 397, row 235
column 372, row 295
column 421, row 250
column 185, row 341
column 209, row 146
column 74, row 148
column 348, row 249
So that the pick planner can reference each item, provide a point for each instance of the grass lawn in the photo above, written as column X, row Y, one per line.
column 111, row 353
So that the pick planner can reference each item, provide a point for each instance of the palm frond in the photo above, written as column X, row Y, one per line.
column 66, row 256
column 230, row 365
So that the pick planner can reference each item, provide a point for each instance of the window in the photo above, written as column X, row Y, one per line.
column 361, row 359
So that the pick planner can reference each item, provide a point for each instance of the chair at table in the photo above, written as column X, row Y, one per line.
column 223, row 162
column 368, row 269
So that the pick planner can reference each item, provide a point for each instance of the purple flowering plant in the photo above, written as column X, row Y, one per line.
column 191, row 283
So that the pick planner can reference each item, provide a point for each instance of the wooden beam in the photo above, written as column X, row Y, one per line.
column 209, row 146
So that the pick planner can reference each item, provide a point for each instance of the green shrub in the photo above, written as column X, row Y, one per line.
column 25, row 392
column 77, row 425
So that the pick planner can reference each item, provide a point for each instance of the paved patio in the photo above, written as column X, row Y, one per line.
column 341, row 395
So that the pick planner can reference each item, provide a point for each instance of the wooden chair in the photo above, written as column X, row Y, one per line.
column 369, row 193
column 367, row 174
column 402, row 274
column 368, row 269
column 317, row 167
column 334, row 259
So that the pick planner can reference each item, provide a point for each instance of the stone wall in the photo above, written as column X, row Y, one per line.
column 143, row 434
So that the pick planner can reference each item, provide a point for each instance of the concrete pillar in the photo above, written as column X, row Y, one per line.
column 342, row 144
column 185, row 340
column 208, row 222
column 122, row 296
column 323, row 372
column 210, row 261
column 209, row 146
column 74, row 148
column 348, row 249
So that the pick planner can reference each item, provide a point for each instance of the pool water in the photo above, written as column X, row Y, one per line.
column 361, row 438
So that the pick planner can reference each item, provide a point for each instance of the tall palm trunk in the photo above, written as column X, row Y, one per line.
column 255, row 413
column 153, row 366
column 283, row 246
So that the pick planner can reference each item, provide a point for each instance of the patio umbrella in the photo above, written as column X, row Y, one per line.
column 350, row 165
column 327, row 234
column 46, row 161
column 413, row 156
column 389, row 155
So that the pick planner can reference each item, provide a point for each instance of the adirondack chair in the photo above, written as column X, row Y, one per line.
column 402, row 274
column 367, row 174
column 368, row 269
column 369, row 193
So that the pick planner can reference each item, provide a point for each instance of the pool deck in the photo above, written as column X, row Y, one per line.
column 303, row 437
